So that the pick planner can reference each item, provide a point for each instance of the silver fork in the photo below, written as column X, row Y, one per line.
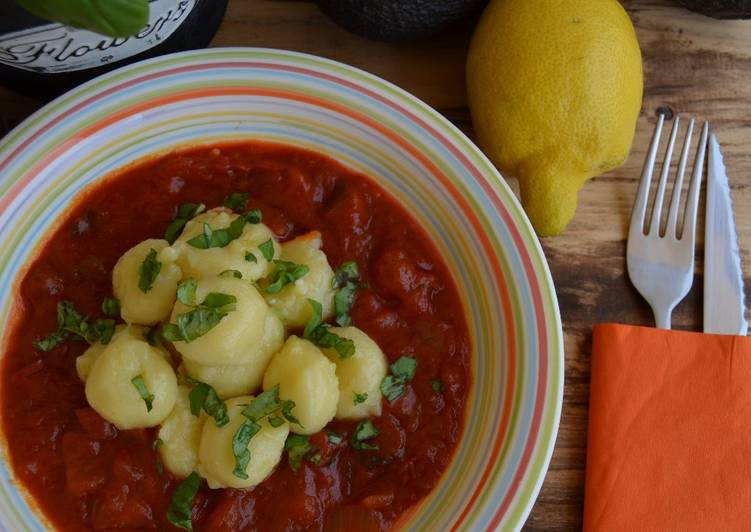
column 661, row 266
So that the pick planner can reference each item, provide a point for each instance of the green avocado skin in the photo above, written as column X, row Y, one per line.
column 398, row 20
column 720, row 8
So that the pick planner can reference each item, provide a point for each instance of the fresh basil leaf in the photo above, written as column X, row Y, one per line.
column 237, row 201
column 240, row 442
column 148, row 271
column 285, row 273
column 334, row 438
column 365, row 430
column 402, row 371
column 346, row 281
column 197, row 322
column 275, row 421
column 287, row 407
column 360, row 398
column 218, row 238
column 231, row 274
column 171, row 333
column 186, row 292
column 185, row 213
column 111, row 307
column 437, row 385
column 315, row 318
column 254, row 216
column 140, row 385
column 267, row 250
column 103, row 330
column 219, row 301
column 51, row 341
column 319, row 333
column 181, row 505
column 250, row 257
column 204, row 396
column 152, row 336
column 297, row 447
column 116, row 18
column 264, row 404
column 404, row 368
column 157, row 443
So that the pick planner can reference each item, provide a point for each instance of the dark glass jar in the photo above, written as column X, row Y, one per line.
column 43, row 59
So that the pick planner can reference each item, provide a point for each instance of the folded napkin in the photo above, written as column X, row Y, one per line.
column 669, row 444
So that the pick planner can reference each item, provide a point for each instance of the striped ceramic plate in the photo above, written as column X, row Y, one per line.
column 375, row 128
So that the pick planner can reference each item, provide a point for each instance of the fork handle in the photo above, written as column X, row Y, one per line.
column 662, row 317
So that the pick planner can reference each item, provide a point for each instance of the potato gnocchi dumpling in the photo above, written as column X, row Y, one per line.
column 242, row 254
column 361, row 373
column 110, row 389
column 231, row 381
column 308, row 378
column 216, row 457
column 154, row 305
column 291, row 302
column 236, row 338
column 180, row 436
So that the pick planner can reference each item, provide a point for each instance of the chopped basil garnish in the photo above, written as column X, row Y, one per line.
column 111, row 306
column 253, row 216
column 202, row 317
column 275, row 421
column 240, row 442
column 285, row 273
column 218, row 238
column 402, row 371
column 267, row 250
column 437, row 385
column 360, row 398
column 185, row 213
column 72, row 323
column 250, row 257
column 318, row 332
column 148, row 271
column 231, row 273
column 365, row 430
column 346, row 281
column 204, row 396
column 157, row 443
column 237, row 201
column 140, row 385
column 297, row 447
column 153, row 336
column 268, row 403
column 334, row 438
column 181, row 506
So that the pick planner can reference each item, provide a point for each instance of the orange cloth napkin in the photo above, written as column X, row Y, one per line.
column 669, row 444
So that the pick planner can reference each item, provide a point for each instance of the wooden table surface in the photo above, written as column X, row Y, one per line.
column 693, row 64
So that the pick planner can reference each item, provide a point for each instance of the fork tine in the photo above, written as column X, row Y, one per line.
column 640, row 203
column 654, row 226
column 675, row 201
column 692, row 203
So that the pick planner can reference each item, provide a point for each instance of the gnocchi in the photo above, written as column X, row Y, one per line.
column 216, row 460
column 241, row 254
column 308, row 378
column 110, row 387
column 291, row 302
column 235, row 339
column 180, row 436
column 154, row 305
column 361, row 373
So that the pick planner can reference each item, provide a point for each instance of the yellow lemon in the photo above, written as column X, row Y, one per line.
column 555, row 88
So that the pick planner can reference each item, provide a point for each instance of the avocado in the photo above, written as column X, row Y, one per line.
column 720, row 8
column 398, row 20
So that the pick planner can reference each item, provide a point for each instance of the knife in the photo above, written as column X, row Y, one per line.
column 724, row 306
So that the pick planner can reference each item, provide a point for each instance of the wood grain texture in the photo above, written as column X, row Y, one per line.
column 695, row 65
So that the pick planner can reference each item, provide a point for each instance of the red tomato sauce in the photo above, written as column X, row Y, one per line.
column 84, row 474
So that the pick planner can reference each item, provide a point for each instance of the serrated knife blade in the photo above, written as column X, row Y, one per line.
column 724, row 302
